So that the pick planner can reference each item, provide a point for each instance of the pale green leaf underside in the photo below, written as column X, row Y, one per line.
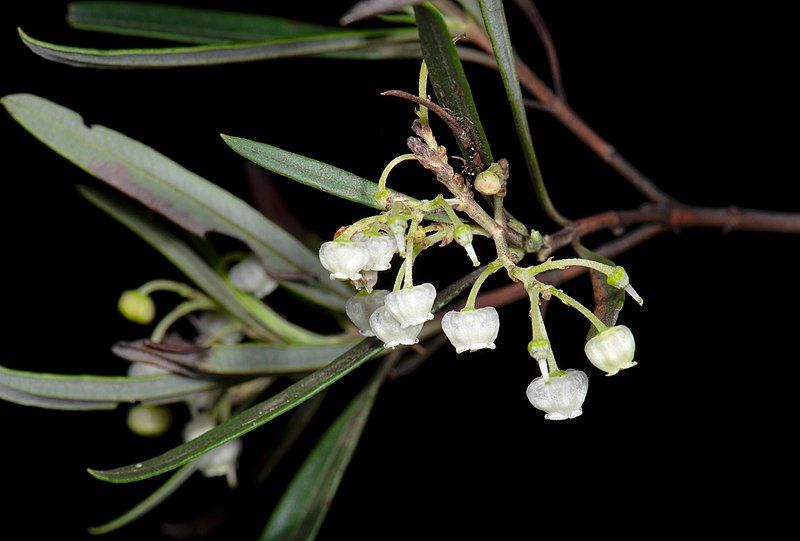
column 185, row 24
column 269, row 409
column 161, row 184
column 84, row 388
column 215, row 54
column 313, row 173
column 26, row 399
column 302, row 508
column 271, row 359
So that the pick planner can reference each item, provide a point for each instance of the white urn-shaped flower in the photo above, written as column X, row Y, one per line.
column 344, row 259
column 381, row 249
column 472, row 329
column 412, row 306
column 250, row 276
column 360, row 308
column 561, row 396
column 390, row 331
column 612, row 350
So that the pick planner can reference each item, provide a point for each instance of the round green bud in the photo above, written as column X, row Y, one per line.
column 539, row 349
column 137, row 307
column 488, row 183
column 618, row 278
column 149, row 421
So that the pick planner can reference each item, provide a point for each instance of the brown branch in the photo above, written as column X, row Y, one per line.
column 676, row 217
column 559, row 108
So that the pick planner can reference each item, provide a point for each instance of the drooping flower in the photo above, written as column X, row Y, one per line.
column 389, row 330
column 250, row 276
column 560, row 397
column 218, row 326
column 219, row 461
column 473, row 329
column 344, row 259
column 612, row 350
column 381, row 249
column 360, row 308
column 412, row 306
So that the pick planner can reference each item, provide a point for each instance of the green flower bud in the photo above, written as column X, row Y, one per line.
column 618, row 278
column 463, row 235
column 137, row 307
column 539, row 349
column 149, row 421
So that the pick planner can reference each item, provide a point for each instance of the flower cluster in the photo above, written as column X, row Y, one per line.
column 396, row 317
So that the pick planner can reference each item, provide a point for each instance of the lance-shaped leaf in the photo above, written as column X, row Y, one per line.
column 149, row 503
column 322, row 176
column 269, row 409
column 372, row 8
column 110, row 389
column 494, row 19
column 178, row 253
column 270, row 359
column 450, row 83
column 26, row 399
column 161, row 184
column 216, row 54
column 302, row 508
column 185, row 24
column 313, row 173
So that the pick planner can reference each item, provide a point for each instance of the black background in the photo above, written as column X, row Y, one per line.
column 688, row 92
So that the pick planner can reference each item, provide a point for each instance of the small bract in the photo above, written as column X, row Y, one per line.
column 561, row 397
column 344, row 259
column 389, row 330
column 412, row 306
column 612, row 350
column 472, row 329
column 360, row 308
column 250, row 276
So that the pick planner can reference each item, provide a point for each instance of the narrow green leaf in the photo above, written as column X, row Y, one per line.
column 494, row 19
column 313, row 173
column 302, row 508
column 160, row 387
column 449, row 81
column 215, row 54
column 271, row 408
column 178, row 253
column 371, row 8
column 319, row 175
column 149, row 503
column 185, row 24
column 161, row 184
column 271, row 359
column 25, row 399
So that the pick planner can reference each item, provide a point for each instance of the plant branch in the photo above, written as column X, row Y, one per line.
column 558, row 107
